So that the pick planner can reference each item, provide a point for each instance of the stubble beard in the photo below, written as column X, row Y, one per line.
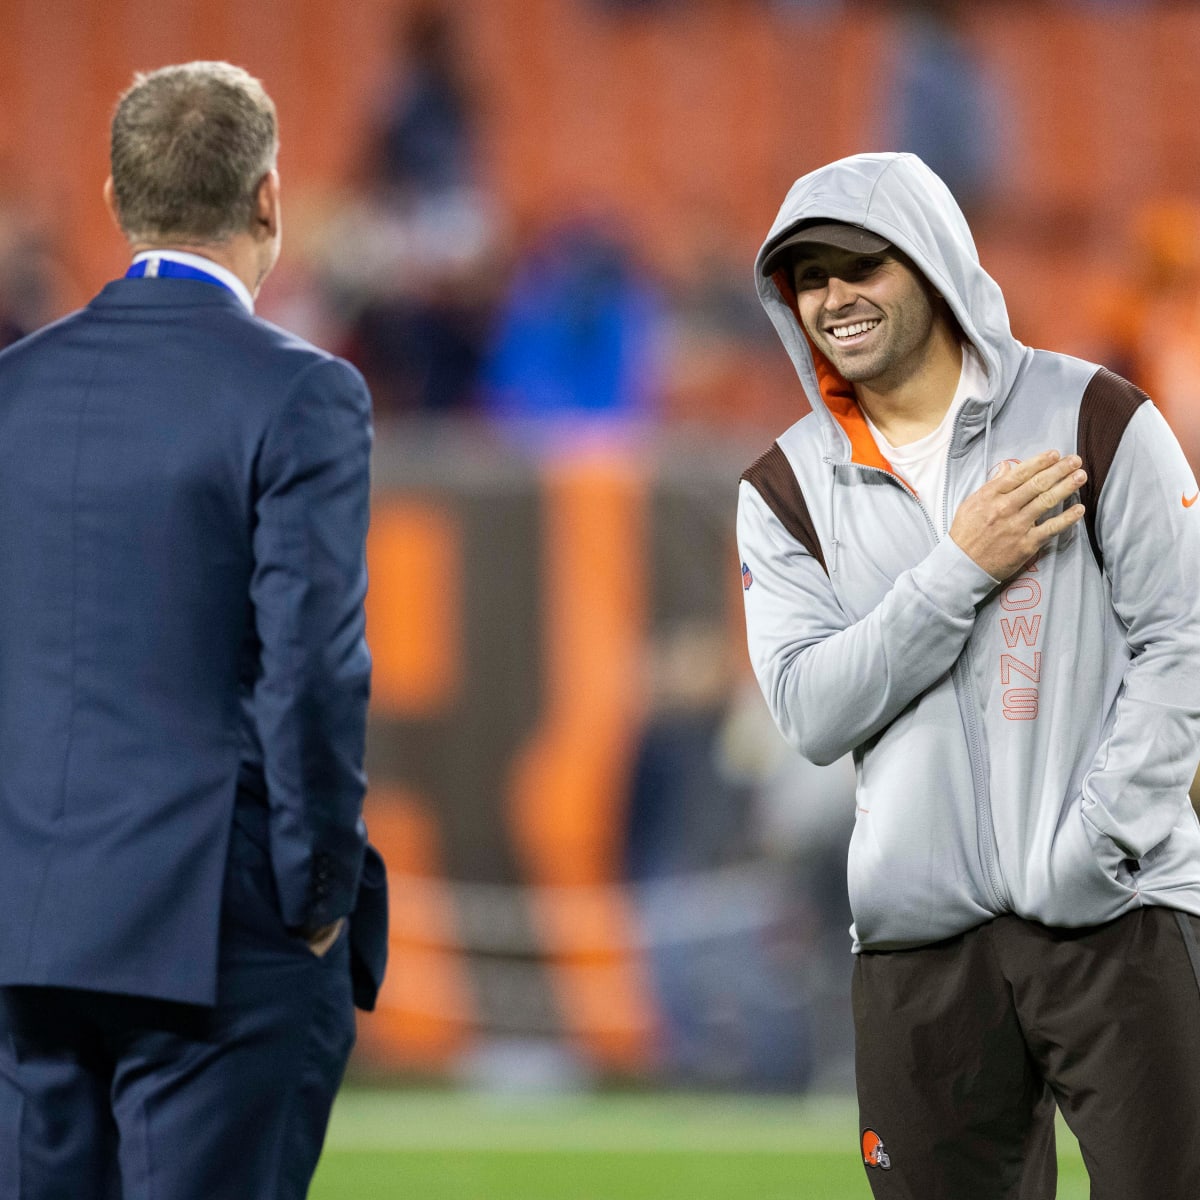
column 903, row 333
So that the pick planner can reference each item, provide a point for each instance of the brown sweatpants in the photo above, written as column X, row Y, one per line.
column 962, row 1048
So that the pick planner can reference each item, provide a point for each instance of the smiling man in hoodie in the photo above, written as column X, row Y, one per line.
column 976, row 566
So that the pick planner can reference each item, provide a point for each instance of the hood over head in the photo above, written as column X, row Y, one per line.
column 898, row 198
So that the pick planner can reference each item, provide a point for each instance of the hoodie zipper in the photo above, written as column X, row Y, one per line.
column 962, row 676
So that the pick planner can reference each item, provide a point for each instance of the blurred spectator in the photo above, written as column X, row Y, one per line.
column 419, row 305
column 722, row 368
column 424, row 140
column 944, row 105
column 686, row 814
column 714, row 299
column 578, row 334
column 410, row 261
column 32, row 282
column 297, row 294
column 707, row 908
column 805, row 816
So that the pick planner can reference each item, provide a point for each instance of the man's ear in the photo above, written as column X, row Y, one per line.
column 266, row 205
column 110, row 201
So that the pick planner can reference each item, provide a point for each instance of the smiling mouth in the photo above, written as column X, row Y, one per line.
column 844, row 332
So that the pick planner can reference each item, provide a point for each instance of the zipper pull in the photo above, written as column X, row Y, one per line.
column 833, row 557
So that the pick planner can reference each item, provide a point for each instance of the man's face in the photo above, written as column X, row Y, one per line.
column 871, row 315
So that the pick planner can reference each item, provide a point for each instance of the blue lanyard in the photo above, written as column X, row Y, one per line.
column 169, row 269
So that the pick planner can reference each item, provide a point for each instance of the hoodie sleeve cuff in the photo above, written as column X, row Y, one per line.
column 953, row 581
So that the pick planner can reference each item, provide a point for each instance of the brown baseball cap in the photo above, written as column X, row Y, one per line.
column 823, row 233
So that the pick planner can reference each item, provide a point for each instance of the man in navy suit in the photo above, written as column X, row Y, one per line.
column 188, row 901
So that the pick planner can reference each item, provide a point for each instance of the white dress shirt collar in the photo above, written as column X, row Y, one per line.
column 200, row 263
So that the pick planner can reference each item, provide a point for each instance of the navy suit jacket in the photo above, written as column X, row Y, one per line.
column 183, row 510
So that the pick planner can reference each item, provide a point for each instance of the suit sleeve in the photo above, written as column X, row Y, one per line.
column 307, row 592
column 1136, row 789
column 831, row 683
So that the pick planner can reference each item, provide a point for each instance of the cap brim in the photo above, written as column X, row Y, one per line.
column 826, row 233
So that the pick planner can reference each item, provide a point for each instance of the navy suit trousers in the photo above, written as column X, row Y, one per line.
column 106, row 1097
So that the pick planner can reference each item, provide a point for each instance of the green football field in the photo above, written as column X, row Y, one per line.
column 418, row 1145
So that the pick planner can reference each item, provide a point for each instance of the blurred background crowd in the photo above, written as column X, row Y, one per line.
column 531, row 224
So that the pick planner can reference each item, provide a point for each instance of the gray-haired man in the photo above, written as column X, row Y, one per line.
column 190, row 906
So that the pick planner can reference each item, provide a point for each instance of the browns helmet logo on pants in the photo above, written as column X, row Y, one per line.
column 874, row 1155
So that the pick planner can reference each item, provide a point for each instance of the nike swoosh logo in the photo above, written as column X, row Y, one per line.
column 1188, row 503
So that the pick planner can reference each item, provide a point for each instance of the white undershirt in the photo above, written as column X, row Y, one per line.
column 922, row 464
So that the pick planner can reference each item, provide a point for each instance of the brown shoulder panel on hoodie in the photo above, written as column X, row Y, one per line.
column 1108, row 405
column 774, row 480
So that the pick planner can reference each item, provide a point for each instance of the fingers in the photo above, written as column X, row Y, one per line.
column 1046, row 489
column 1053, row 526
column 323, row 939
column 1020, row 473
column 1036, row 474
column 1043, row 482
column 1014, row 515
column 1054, row 486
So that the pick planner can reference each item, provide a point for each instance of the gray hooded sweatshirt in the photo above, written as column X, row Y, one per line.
column 1022, row 746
